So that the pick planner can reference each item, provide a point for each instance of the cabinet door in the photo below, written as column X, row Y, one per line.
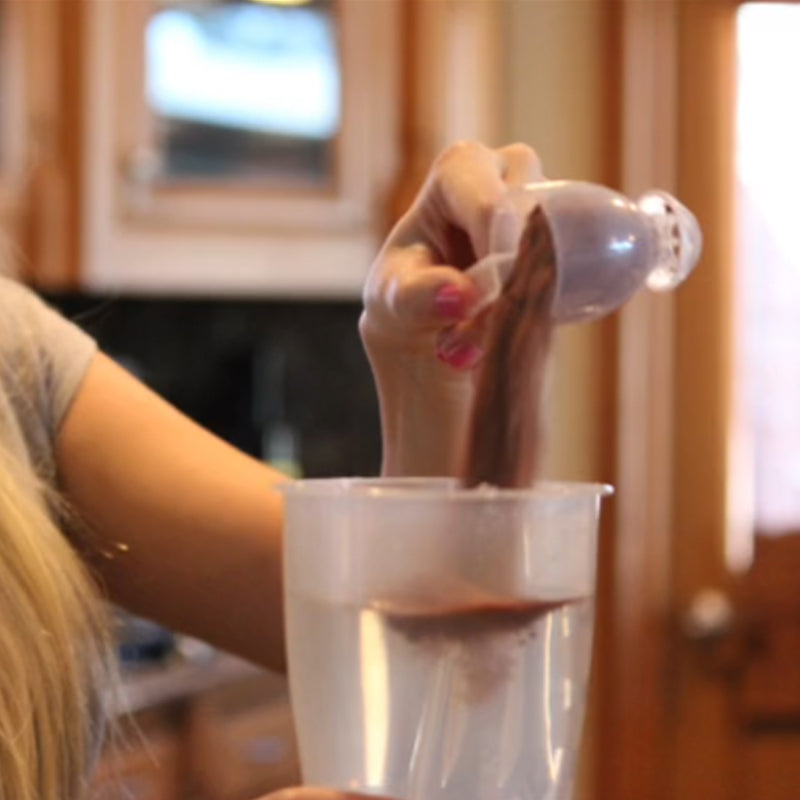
column 262, row 751
column 11, row 114
column 239, row 740
column 33, row 207
column 141, row 770
column 703, row 679
column 237, row 147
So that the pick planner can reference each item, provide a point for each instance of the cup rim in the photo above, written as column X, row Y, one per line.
column 421, row 488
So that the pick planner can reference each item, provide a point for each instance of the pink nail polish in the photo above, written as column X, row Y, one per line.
column 460, row 356
column 450, row 302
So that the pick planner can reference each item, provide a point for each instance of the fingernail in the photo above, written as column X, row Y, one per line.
column 450, row 302
column 460, row 356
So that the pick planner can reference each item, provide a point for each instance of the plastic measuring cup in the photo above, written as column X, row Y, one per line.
column 439, row 638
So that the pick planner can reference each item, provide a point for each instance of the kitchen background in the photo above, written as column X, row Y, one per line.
column 203, row 186
column 284, row 381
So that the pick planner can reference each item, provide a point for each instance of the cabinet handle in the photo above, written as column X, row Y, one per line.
column 721, row 640
column 710, row 616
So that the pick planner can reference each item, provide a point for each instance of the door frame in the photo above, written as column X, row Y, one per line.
column 673, row 413
column 633, row 707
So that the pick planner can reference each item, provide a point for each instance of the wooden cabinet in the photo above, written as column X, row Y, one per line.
column 40, row 117
column 244, row 753
column 142, row 769
column 214, row 220
column 222, row 731
column 12, row 114
column 101, row 203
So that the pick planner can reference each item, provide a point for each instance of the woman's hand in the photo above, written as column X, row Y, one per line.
column 419, row 327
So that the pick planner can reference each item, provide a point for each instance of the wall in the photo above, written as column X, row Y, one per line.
column 557, row 74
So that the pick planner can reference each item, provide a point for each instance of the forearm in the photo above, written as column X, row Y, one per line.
column 424, row 407
column 181, row 527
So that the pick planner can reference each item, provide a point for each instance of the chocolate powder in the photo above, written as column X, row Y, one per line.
column 503, row 445
column 469, row 621
column 488, row 636
column 504, row 438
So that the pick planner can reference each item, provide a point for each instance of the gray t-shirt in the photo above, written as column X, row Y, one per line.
column 43, row 358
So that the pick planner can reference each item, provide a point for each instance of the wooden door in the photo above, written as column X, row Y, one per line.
column 736, row 577
column 704, row 683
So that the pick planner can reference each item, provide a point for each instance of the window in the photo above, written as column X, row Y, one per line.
column 244, row 90
column 234, row 146
column 767, row 357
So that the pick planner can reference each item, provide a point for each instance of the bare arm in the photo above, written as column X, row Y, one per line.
column 183, row 528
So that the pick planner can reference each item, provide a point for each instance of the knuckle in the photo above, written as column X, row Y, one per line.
column 525, row 157
column 522, row 151
column 393, row 292
column 457, row 151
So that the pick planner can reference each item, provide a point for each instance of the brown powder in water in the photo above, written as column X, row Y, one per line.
column 489, row 636
column 504, row 439
column 469, row 621
column 503, row 446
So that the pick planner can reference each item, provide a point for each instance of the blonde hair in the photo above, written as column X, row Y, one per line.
column 54, row 653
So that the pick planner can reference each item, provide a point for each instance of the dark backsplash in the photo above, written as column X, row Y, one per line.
column 240, row 367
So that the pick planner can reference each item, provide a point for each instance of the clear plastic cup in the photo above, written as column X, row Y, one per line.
column 439, row 638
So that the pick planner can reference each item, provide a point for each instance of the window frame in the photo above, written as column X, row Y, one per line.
column 234, row 239
column 342, row 201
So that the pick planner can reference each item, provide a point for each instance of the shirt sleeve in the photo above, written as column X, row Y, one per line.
column 43, row 359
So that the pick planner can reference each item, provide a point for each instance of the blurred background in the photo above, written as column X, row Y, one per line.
column 203, row 185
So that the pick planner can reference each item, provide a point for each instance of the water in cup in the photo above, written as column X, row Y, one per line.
column 439, row 638
column 480, row 700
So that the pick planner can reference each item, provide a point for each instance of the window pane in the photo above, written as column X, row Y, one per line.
column 768, row 270
column 245, row 90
